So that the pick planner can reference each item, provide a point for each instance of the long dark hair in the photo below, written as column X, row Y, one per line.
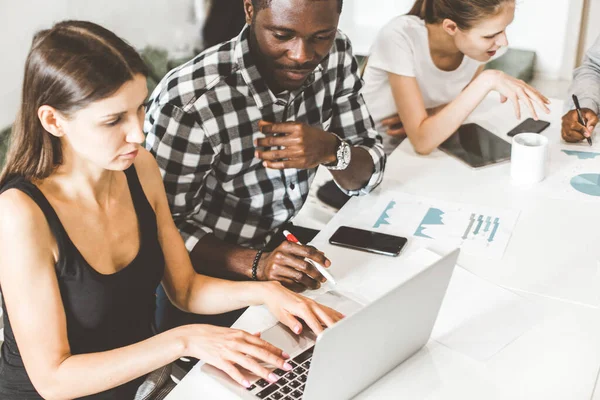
column 68, row 67
column 465, row 13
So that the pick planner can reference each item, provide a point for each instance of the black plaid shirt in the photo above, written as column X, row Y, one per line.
column 201, row 124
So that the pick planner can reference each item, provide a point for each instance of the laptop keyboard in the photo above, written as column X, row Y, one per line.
column 290, row 384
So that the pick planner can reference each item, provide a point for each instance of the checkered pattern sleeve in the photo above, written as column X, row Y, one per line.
column 351, row 118
column 185, row 156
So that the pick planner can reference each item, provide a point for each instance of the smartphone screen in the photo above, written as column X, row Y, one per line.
column 374, row 242
column 529, row 125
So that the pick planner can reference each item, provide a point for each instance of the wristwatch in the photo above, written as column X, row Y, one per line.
column 343, row 153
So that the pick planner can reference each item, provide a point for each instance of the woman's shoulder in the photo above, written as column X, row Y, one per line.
column 404, row 34
column 404, row 25
column 398, row 42
column 18, row 208
column 149, row 174
column 22, row 221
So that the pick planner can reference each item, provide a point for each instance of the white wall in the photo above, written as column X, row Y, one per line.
column 549, row 27
column 140, row 22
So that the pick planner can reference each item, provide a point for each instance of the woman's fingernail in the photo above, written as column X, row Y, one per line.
column 246, row 383
column 287, row 367
column 297, row 329
column 323, row 280
column 285, row 355
column 273, row 377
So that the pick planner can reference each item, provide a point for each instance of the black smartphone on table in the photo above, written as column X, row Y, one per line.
column 529, row 125
column 373, row 242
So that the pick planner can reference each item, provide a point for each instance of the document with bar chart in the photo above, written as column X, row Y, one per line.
column 476, row 229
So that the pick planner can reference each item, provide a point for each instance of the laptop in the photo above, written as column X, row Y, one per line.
column 348, row 357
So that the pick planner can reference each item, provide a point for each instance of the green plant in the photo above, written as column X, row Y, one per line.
column 3, row 145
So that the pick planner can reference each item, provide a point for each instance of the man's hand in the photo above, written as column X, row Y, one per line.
column 286, row 264
column 301, row 146
column 393, row 125
column 572, row 131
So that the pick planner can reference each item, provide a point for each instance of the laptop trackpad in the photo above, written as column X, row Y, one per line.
column 281, row 336
column 344, row 303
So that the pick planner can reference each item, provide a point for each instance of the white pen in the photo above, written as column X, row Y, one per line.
column 291, row 238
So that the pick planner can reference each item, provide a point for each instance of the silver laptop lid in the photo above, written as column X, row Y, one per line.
column 363, row 347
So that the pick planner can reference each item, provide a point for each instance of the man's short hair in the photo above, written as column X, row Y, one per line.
column 260, row 4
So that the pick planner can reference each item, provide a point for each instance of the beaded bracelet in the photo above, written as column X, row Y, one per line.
column 255, row 264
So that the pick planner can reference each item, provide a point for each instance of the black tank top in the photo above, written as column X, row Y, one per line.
column 104, row 312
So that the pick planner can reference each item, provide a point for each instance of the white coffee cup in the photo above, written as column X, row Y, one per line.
column 528, row 158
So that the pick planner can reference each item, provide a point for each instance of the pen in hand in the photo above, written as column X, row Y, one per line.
column 582, row 120
column 319, row 267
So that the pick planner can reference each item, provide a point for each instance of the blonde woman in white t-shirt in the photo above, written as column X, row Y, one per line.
column 425, row 71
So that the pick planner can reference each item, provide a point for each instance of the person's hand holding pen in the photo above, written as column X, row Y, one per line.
column 291, row 238
column 574, row 129
column 290, row 263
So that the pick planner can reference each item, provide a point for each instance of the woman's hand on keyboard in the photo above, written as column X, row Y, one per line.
column 226, row 349
column 287, row 305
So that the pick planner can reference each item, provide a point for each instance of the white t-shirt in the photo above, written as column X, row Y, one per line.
column 402, row 48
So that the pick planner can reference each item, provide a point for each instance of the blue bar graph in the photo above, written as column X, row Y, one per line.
column 477, row 226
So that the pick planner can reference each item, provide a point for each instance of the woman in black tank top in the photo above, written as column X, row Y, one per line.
column 86, row 236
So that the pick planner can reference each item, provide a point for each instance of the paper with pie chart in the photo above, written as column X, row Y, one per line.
column 479, row 230
column 574, row 174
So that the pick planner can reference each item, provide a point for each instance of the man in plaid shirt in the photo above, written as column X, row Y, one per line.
column 240, row 130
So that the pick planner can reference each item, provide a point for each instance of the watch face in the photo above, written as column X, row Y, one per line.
column 346, row 154
column 343, row 155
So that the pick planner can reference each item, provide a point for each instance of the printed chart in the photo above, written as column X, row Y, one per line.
column 573, row 175
column 587, row 184
column 477, row 226
column 582, row 155
column 479, row 230
column 384, row 218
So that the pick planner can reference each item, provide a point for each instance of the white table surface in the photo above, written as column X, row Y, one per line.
column 551, row 259
column 554, row 248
